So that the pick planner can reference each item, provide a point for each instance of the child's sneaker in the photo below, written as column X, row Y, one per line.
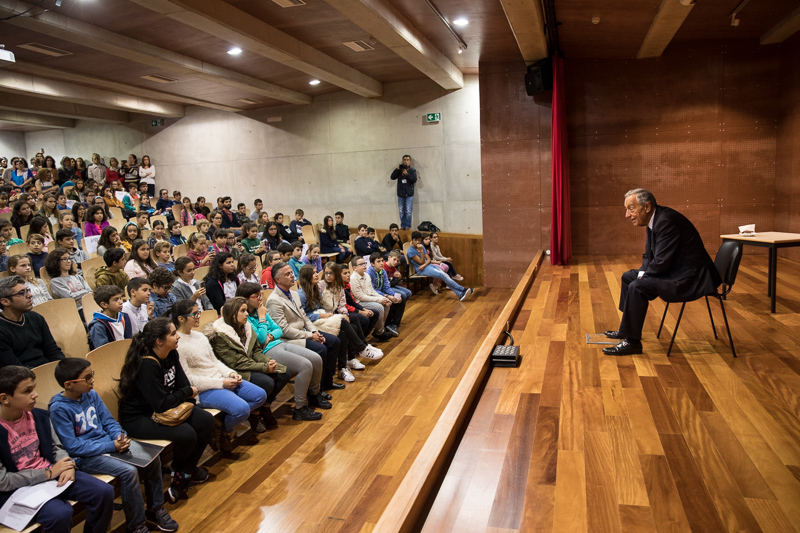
column 161, row 518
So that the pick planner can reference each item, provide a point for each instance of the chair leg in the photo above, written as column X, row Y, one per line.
column 724, row 316
column 675, row 331
column 666, row 308
column 713, row 327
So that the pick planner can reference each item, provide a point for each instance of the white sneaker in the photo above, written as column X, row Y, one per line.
column 346, row 375
column 373, row 352
column 459, row 277
column 434, row 290
column 355, row 364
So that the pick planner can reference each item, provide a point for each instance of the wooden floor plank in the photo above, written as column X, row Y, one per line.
column 698, row 441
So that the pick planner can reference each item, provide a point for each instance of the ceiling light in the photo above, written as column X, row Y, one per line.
column 314, row 82
column 6, row 55
column 461, row 21
column 235, row 51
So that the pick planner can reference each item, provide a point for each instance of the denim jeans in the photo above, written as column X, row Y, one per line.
column 405, row 206
column 434, row 272
column 236, row 404
column 56, row 515
column 128, row 476
column 404, row 293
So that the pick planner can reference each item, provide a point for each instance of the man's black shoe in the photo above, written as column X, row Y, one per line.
column 305, row 414
column 319, row 401
column 333, row 386
column 325, row 395
column 627, row 347
column 613, row 334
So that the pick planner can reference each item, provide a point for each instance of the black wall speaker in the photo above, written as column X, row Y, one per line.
column 539, row 77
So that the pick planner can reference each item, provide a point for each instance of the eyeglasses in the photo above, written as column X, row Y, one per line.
column 361, row 264
column 24, row 292
column 88, row 379
column 193, row 315
column 66, row 259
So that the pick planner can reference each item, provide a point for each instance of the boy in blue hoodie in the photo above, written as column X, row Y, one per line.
column 110, row 324
column 88, row 431
column 30, row 453
column 380, row 282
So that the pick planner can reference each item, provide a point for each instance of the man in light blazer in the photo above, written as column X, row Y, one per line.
column 675, row 267
column 284, row 307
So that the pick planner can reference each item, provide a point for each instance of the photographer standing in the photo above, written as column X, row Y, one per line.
column 406, row 177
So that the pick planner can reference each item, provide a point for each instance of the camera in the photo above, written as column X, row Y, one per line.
column 403, row 166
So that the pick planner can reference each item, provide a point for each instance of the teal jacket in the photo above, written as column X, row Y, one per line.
column 265, row 328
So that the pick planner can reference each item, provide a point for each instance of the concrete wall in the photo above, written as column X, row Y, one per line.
column 335, row 154
column 12, row 144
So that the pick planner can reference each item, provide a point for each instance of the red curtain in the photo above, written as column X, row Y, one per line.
column 560, row 230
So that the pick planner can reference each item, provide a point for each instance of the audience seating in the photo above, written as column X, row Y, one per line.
column 23, row 233
column 6, row 216
column 207, row 316
column 88, row 267
column 107, row 362
column 265, row 294
column 179, row 250
column 309, row 235
column 200, row 273
column 187, row 231
column 89, row 307
column 176, row 211
column 46, row 278
column 3, row 273
column 65, row 325
column 146, row 233
column 46, row 384
column 117, row 222
column 116, row 211
column 162, row 218
column 17, row 249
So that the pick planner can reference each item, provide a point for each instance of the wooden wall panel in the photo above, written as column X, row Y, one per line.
column 712, row 129
column 787, row 161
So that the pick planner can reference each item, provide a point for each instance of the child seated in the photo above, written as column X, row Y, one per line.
column 36, row 253
column 158, row 234
column 297, row 224
column 220, row 242
column 110, row 324
column 312, row 258
column 364, row 245
column 139, row 308
column 3, row 254
column 296, row 259
column 32, row 454
column 242, row 217
column 161, row 281
column 176, row 238
column 7, row 231
column 380, row 282
column 112, row 273
column 66, row 240
column 198, row 250
column 391, row 241
column 68, row 222
column 390, row 265
column 20, row 265
column 251, row 243
column 88, row 432
column 246, row 269
column 163, row 252
column 272, row 258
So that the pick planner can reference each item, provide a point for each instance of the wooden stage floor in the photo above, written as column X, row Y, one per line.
column 337, row 475
column 574, row 440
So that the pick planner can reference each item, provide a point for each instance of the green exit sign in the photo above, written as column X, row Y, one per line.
column 433, row 117
column 157, row 122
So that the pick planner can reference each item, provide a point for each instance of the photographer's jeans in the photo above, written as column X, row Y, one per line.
column 405, row 206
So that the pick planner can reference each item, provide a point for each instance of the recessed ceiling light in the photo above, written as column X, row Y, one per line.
column 235, row 51
column 314, row 82
column 461, row 21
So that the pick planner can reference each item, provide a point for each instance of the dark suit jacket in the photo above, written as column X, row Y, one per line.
column 676, row 256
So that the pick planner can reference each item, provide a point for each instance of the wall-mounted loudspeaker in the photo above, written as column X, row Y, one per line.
column 539, row 77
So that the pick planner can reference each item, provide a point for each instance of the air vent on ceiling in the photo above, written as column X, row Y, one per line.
column 44, row 49
column 248, row 101
column 358, row 46
column 158, row 78
column 289, row 3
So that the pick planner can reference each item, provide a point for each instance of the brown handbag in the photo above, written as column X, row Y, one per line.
column 175, row 416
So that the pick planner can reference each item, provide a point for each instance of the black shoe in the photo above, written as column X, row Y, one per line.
column 613, row 334
column 179, row 488
column 305, row 414
column 255, row 425
column 318, row 401
column 268, row 418
column 325, row 395
column 333, row 386
column 161, row 518
column 200, row 476
column 626, row 347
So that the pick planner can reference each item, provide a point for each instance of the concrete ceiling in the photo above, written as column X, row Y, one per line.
column 111, row 45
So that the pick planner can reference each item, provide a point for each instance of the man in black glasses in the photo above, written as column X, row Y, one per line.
column 25, row 338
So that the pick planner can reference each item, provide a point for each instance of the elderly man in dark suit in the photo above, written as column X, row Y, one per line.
column 675, row 267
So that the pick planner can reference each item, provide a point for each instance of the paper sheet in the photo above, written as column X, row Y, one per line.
column 25, row 502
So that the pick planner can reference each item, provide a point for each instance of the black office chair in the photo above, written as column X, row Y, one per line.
column 727, row 262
